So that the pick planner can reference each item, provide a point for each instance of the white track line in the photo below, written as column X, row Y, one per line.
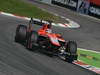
column 88, row 50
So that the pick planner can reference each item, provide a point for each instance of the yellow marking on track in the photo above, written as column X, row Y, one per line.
column 89, row 57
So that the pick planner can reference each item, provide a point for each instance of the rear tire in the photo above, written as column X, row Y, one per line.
column 71, row 49
column 20, row 33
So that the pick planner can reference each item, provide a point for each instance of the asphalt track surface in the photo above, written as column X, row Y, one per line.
column 15, row 59
column 87, row 36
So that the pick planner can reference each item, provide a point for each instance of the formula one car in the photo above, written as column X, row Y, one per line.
column 44, row 38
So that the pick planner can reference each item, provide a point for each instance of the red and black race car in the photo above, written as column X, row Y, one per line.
column 44, row 38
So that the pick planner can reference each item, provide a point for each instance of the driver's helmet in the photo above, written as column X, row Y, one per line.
column 49, row 31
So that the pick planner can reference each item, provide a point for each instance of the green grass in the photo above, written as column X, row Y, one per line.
column 24, row 9
column 90, row 61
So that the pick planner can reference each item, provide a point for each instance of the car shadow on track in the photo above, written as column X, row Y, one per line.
column 41, row 50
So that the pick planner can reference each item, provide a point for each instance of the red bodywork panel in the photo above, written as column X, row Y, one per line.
column 53, row 37
column 42, row 31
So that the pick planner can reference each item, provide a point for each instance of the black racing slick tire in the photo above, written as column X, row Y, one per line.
column 71, row 49
column 20, row 33
column 32, row 39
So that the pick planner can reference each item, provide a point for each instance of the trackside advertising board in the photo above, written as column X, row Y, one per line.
column 46, row 1
column 72, row 4
column 94, row 8
column 89, row 7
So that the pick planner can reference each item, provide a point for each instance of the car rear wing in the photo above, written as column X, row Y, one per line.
column 39, row 22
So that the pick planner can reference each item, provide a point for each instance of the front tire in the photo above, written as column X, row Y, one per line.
column 71, row 49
